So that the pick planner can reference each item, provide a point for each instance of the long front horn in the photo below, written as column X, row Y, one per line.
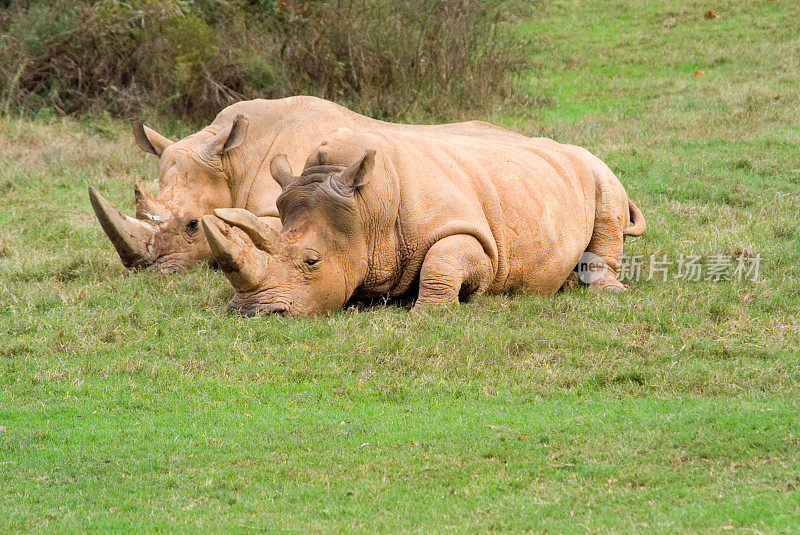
column 264, row 237
column 129, row 236
column 243, row 264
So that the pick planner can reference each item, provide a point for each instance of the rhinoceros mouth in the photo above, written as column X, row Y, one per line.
column 169, row 268
column 248, row 309
column 131, row 237
column 278, row 310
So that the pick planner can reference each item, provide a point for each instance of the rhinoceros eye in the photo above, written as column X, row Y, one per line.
column 311, row 258
column 192, row 225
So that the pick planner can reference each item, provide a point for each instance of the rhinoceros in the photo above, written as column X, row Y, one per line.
column 226, row 164
column 385, row 214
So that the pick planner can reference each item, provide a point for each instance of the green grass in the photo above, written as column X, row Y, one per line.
column 137, row 402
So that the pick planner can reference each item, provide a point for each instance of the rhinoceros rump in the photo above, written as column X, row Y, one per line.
column 377, row 214
column 227, row 165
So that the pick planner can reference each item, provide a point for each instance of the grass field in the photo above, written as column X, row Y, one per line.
column 137, row 403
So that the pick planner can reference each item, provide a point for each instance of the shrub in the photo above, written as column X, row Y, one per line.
column 396, row 58
column 393, row 59
column 80, row 57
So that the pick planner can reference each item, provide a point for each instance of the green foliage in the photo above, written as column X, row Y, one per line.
column 122, row 56
column 191, row 58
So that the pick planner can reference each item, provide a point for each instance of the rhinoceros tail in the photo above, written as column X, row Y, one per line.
column 637, row 219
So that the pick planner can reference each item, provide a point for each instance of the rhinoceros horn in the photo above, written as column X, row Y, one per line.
column 129, row 236
column 147, row 207
column 242, row 263
column 264, row 237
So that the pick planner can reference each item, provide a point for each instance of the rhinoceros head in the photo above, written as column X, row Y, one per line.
column 166, row 233
column 317, row 260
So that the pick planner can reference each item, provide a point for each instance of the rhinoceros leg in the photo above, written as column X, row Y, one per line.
column 454, row 267
column 612, row 217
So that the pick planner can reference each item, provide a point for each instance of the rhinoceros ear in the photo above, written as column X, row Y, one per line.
column 281, row 170
column 356, row 175
column 149, row 140
column 229, row 137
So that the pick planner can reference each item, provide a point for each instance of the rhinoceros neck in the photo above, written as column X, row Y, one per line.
column 396, row 242
column 378, row 204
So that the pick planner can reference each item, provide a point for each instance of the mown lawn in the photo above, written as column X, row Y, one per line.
column 136, row 402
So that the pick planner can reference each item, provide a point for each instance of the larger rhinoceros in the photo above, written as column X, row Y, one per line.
column 226, row 164
column 379, row 214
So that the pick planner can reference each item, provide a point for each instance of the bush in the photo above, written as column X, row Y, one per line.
column 80, row 57
column 397, row 58
column 393, row 59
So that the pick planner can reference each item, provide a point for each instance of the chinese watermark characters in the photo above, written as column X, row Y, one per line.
column 691, row 268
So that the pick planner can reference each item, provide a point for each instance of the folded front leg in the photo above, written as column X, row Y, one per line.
column 454, row 267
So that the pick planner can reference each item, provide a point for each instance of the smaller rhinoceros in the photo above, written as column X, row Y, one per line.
column 379, row 214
